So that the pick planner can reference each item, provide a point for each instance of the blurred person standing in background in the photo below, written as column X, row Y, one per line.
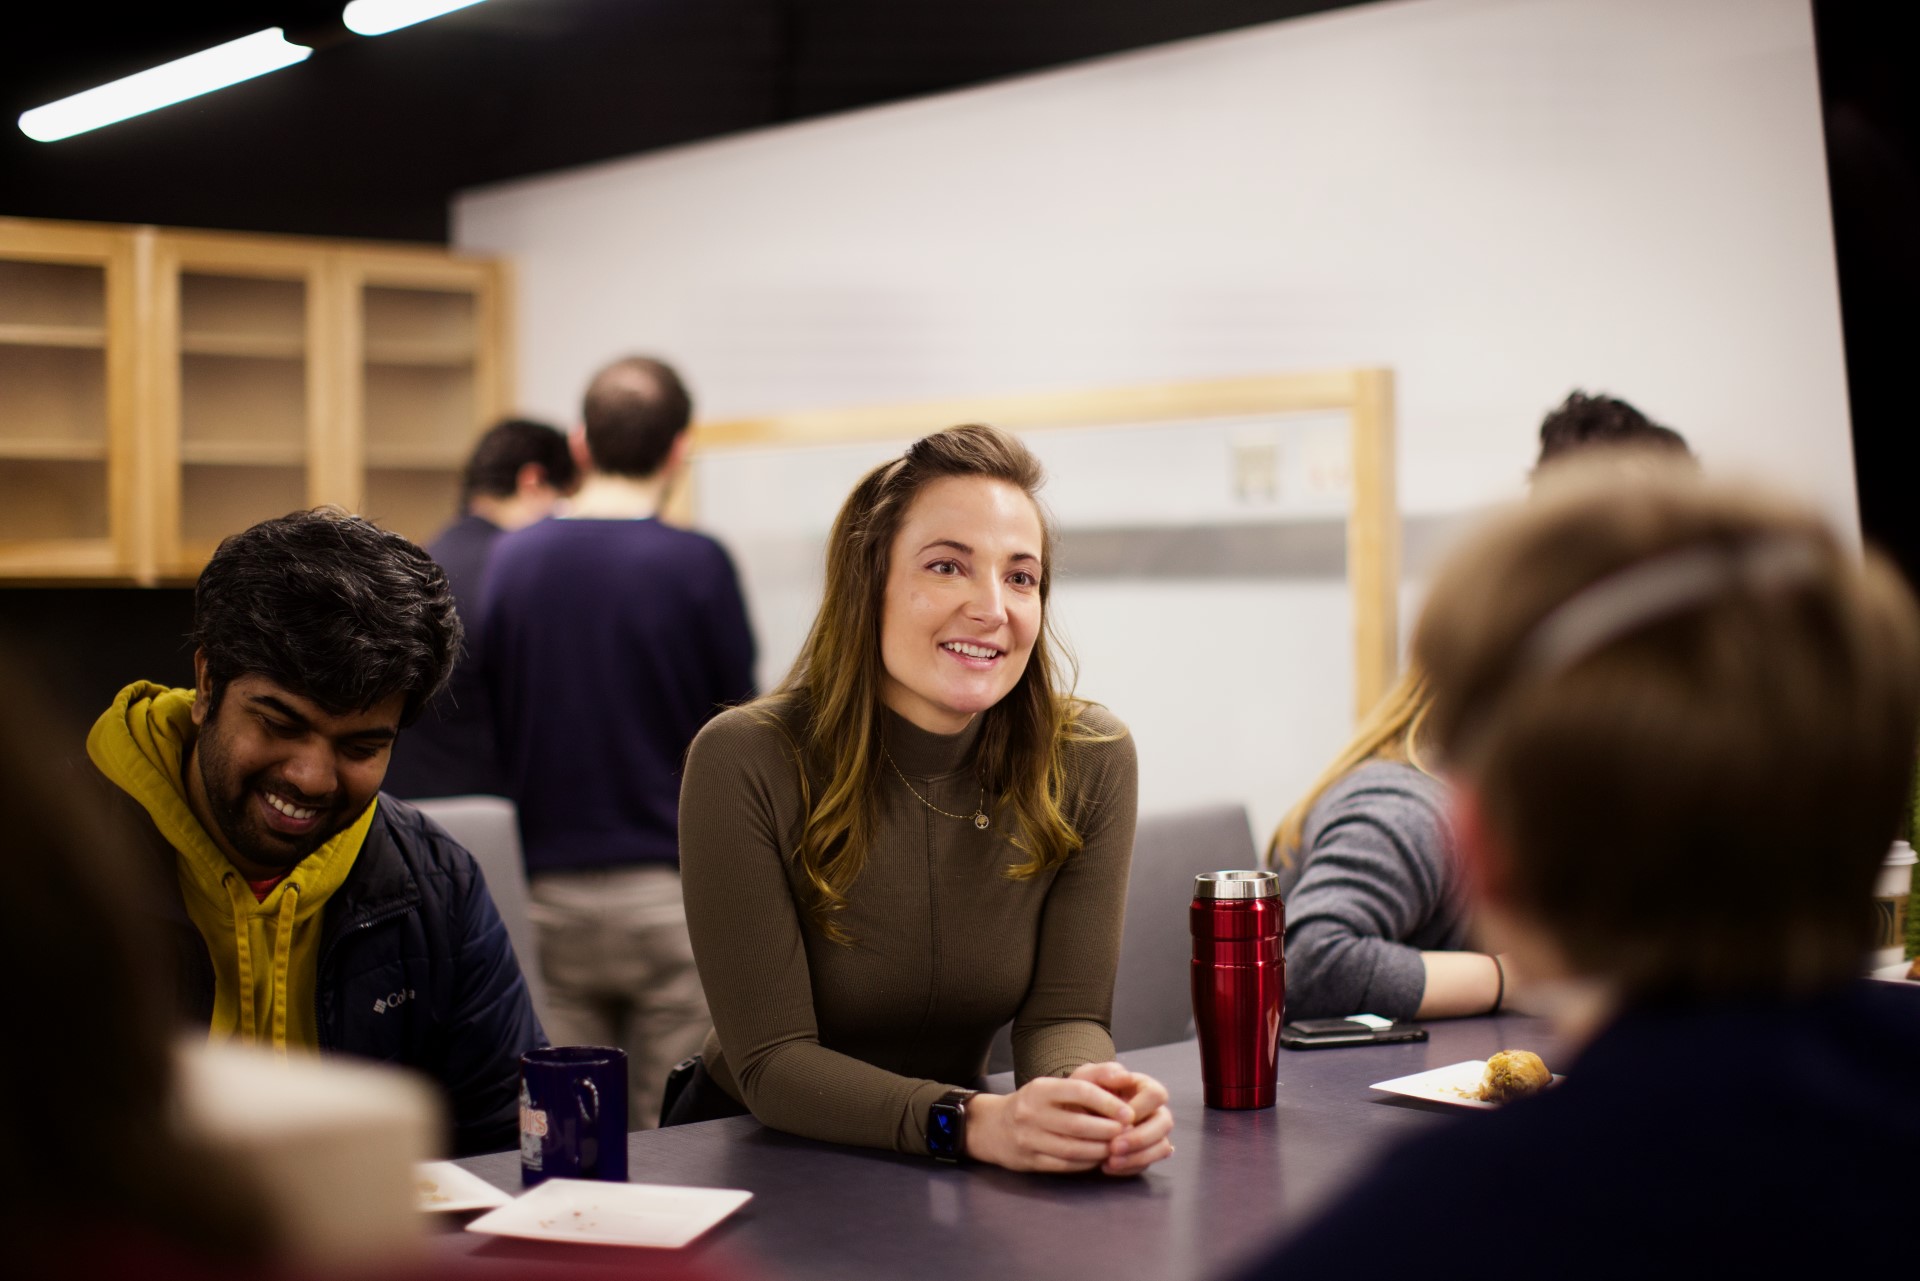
column 608, row 639
column 518, row 473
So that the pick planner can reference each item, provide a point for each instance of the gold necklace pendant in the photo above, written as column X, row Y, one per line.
column 980, row 819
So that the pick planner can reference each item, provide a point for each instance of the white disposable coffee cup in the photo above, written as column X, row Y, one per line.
column 1892, row 895
column 330, row 1144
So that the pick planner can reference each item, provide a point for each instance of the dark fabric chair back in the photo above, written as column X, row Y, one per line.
column 490, row 830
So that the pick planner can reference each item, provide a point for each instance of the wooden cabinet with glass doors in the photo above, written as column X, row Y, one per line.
column 162, row 389
column 239, row 391
column 426, row 365
column 67, row 447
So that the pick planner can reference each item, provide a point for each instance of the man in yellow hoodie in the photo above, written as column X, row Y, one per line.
column 312, row 911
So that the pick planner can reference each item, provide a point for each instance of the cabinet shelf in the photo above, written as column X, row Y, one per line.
column 53, row 335
column 274, row 346
column 241, row 453
column 52, row 449
column 425, row 352
column 415, row 457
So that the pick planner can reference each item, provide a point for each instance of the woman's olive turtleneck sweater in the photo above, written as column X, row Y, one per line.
column 852, row 1042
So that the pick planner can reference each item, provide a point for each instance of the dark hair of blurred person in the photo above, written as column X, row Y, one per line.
column 633, row 412
column 514, row 457
column 1582, row 422
column 1680, row 721
column 93, row 1157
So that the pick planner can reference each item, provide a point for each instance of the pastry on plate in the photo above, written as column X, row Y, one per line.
column 1512, row 1074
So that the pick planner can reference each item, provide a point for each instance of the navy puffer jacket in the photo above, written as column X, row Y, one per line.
column 415, row 969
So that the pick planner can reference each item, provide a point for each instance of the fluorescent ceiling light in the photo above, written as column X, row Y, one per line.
column 161, row 86
column 377, row 17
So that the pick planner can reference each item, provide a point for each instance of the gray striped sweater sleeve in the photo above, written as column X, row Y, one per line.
column 1377, row 886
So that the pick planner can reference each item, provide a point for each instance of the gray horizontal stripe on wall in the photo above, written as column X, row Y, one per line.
column 1275, row 549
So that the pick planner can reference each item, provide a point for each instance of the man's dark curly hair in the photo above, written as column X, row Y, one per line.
column 1582, row 422
column 331, row 607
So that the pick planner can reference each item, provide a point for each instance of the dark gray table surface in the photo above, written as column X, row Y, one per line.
column 1235, row 1181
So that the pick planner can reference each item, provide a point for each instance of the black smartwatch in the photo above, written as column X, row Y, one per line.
column 947, row 1125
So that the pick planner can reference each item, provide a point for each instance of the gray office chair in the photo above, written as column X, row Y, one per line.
column 1152, row 1003
column 490, row 830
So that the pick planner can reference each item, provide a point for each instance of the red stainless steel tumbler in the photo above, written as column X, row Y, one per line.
column 1239, row 985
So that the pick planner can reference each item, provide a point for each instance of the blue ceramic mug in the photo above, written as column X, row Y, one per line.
column 573, row 1114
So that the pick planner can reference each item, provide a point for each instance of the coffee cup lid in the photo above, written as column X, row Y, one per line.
column 1218, row 885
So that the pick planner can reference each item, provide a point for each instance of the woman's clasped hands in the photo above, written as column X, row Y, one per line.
column 1101, row 1117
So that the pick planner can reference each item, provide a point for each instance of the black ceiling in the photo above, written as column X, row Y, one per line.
column 370, row 137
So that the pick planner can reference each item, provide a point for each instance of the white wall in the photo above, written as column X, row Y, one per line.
column 1500, row 199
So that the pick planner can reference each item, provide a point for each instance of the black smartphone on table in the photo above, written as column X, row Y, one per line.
column 1321, row 1034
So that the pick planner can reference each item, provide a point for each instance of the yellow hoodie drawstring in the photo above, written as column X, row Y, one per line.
column 242, row 898
column 144, row 744
column 243, row 902
column 282, row 958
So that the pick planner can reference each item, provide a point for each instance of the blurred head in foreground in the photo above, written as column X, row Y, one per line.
column 1681, row 719
column 96, row 1139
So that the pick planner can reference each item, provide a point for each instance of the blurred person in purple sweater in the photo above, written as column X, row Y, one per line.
column 608, row 638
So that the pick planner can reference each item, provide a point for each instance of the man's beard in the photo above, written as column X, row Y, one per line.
column 233, row 811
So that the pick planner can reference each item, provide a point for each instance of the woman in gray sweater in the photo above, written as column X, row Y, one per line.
column 1375, row 922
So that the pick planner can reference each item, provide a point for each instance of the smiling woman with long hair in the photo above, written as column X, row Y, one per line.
column 920, row 835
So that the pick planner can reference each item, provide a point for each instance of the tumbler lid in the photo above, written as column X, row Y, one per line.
column 1236, row 885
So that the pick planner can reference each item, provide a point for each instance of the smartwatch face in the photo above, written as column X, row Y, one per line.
column 943, row 1131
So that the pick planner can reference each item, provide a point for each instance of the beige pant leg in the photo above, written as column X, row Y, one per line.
column 573, row 962
column 670, row 1018
column 627, row 972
